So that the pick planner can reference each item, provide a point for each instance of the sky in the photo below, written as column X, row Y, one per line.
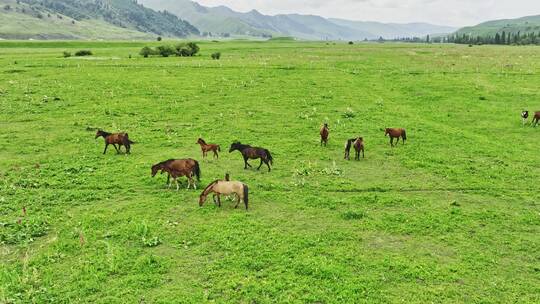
column 442, row 12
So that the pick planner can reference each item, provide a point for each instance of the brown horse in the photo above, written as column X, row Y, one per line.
column 249, row 152
column 208, row 147
column 359, row 147
column 324, row 134
column 536, row 119
column 348, row 144
column 120, row 139
column 396, row 133
column 219, row 187
column 179, row 167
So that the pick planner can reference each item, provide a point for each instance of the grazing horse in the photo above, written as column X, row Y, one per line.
column 324, row 134
column 179, row 167
column 249, row 152
column 120, row 139
column 536, row 118
column 524, row 116
column 208, row 147
column 359, row 146
column 396, row 133
column 220, row 187
column 348, row 144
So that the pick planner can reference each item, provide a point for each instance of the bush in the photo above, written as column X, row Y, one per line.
column 83, row 53
column 187, row 49
column 66, row 54
column 351, row 43
column 165, row 50
column 159, row 38
column 146, row 51
column 216, row 56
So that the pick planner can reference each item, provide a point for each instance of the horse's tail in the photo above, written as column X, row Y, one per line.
column 219, row 148
column 404, row 134
column 197, row 171
column 127, row 140
column 246, row 194
column 269, row 156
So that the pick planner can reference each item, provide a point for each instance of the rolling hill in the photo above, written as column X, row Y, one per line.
column 87, row 19
column 523, row 25
column 222, row 19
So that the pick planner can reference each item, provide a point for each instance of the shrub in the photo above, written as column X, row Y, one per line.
column 216, row 56
column 165, row 50
column 66, row 54
column 351, row 43
column 159, row 38
column 83, row 53
column 146, row 51
column 187, row 49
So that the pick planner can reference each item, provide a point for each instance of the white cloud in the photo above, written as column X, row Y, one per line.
column 445, row 12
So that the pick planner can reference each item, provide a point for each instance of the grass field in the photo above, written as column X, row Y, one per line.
column 451, row 217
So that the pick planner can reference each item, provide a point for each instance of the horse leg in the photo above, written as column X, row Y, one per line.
column 177, row 185
column 363, row 154
column 391, row 141
column 246, row 164
column 219, row 199
column 216, row 155
column 116, row 148
column 403, row 140
column 268, row 165
column 260, row 164
column 237, row 201
column 106, row 146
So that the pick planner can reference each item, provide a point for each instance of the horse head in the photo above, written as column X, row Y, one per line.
column 235, row 146
column 99, row 133
column 155, row 169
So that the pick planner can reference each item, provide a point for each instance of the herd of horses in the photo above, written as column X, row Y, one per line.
column 190, row 168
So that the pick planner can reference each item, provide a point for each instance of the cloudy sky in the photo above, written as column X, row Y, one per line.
column 444, row 12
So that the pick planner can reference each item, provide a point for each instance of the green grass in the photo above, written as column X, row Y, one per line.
column 451, row 217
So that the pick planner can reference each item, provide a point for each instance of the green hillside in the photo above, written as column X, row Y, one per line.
column 101, row 19
column 523, row 25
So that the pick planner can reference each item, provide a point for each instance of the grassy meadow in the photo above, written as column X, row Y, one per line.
column 453, row 216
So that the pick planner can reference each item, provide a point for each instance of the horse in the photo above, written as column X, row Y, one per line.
column 208, row 147
column 348, row 144
column 524, row 116
column 536, row 118
column 220, row 187
column 120, row 139
column 179, row 167
column 359, row 146
column 249, row 152
column 324, row 134
column 396, row 133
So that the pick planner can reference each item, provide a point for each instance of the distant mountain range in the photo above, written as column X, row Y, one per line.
column 522, row 25
column 223, row 20
column 87, row 19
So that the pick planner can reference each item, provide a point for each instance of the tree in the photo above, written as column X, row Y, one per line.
column 427, row 39
column 146, row 51
column 159, row 38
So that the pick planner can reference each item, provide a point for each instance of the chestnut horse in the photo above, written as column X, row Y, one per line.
column 396, row 133
column 120, row 139
column 219, row 187
column 324, row 134
column 249, row 152
column 208, row 147
column 359, row 146
column 536, row 118
column 179, row 167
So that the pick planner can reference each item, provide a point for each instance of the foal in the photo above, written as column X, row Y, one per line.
column 179, row 167
column 324, row 134
column 359, row 146
column 396, row 133
column 208, row 147
column 120, row 139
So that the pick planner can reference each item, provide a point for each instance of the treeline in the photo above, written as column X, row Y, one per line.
column 502, row 38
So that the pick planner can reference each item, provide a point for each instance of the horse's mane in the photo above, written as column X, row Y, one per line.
column 104, row 133
column 205, row 191
column 202, row 141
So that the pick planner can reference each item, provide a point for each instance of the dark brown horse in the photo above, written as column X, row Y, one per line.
column 208, row 147
column 359, row 147
column 324, row 134
column 120, row 139
column 177, row 168
column 396, row 133
column 348, row 144
column 249, row 152
column 536, row 118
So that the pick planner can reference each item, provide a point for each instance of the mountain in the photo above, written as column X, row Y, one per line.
column 523, row 25
column 221, row 19
column 87, row 19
